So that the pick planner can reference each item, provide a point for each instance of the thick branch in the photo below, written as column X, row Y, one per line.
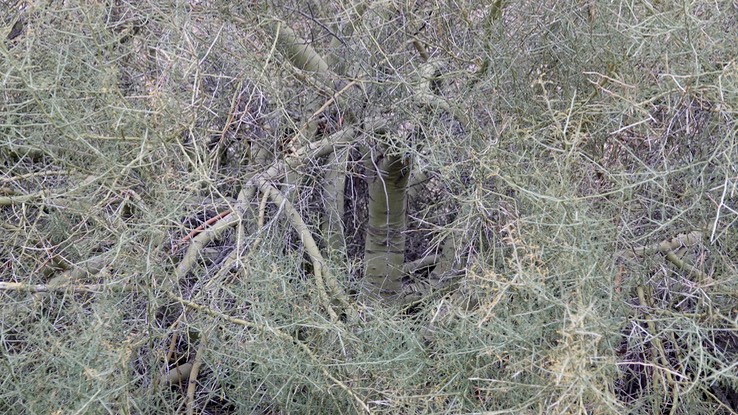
column 322, row 278
column 384, row 252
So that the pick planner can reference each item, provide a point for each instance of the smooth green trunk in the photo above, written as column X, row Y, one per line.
column 384, row 253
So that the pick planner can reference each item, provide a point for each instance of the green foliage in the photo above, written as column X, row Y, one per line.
column 573, row 173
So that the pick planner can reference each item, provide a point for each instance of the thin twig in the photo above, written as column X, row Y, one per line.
column 277, row 333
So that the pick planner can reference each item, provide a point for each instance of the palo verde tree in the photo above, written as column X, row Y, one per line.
column 367, row 206
column 373, row 91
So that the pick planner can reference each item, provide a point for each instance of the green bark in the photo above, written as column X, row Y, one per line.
column 384, row 253
column 298, row 51
column 333, row 198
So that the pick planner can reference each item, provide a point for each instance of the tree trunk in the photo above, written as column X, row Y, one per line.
column 384, row 252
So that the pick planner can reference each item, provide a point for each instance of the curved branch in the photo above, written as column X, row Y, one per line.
column 324, row 280
column 298, row 51
column 199, row 242
column 327, row 285
column 423, row 92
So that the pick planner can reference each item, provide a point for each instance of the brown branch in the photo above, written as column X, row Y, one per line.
column 201, row 228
